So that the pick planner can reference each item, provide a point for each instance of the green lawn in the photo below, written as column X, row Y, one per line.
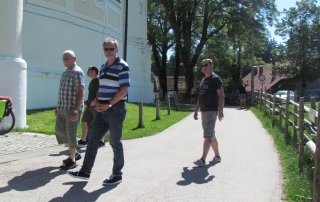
column 297, row 184
column 43, row 120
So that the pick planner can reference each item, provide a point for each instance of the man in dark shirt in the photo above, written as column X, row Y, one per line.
column 242, row 94
column 89, row 113
column 210, row 103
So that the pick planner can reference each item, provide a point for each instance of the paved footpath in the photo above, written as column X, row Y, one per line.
column 157, row 168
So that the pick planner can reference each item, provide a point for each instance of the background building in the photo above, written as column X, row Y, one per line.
column 36, row 32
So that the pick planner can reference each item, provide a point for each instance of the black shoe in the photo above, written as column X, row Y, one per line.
column 68, row 164
column 82, row 143
column 77, row 157
column 102, row 144
column 113, row 179
column 79, row 174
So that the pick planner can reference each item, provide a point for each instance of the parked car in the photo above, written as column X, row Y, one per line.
column 283, row 94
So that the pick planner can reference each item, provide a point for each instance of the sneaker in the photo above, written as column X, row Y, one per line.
column 200, row 162
column 113, row 179
column 215, row 160
column 102, row 144
column 68, row 164
column 77, row 157
column 79, row 174
column 82, row 143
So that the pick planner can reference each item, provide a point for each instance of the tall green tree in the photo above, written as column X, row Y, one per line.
column 300, row 55
column 195, row 21
column 160, row 38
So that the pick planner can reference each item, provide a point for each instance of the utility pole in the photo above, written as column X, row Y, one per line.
column 252, row 68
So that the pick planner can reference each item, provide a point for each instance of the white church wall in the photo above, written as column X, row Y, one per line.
column 53, row 26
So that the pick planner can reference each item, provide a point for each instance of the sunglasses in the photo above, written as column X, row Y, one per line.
column 205, row 65
column 66, row 59
column 109, row 49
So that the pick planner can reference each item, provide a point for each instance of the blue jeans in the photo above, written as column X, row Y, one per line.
column 112, row 120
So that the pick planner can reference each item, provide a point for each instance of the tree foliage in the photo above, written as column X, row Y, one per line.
column 194, row 22
column 299, row 57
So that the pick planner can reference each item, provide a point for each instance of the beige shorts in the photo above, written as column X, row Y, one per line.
column 67, row 130
column 209, row 119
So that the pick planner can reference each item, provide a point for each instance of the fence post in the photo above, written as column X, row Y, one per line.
column 316, row 174
column 157, row 108
column 141, row 123
column 265, row 101
column 273, row 109
column 176, row 100
column 261, row 99
column 168, row 104
column 313, row 106
column 313, row 103
column 301, row 131
column 286, row 123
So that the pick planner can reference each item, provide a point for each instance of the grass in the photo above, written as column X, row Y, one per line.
column 297, row 183
column 43, row 120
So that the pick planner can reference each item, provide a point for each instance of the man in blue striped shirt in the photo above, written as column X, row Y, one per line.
column 114, row 82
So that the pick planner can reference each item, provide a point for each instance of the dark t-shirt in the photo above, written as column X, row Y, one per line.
column 208, row 95
column 93, row 89
column 242, row 88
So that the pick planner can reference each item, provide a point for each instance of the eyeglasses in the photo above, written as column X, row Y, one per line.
column 66, row 58
column 205, row 65
column 109, row 49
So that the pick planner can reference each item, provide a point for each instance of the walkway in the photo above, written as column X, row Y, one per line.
column 157, row 168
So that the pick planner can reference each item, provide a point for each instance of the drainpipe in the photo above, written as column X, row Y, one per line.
column 125, row 33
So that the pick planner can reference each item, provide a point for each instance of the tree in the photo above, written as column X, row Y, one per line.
column 300, row 55
column 194, row 22
column 160, row 38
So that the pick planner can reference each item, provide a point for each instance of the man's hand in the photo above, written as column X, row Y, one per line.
column 195, row 115
column 220, row 115
column 93, row 103
column 99, row 107
column 74, row 117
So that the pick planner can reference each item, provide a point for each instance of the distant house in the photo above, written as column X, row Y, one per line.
column 271, row 82
column 275, row 83
column 170, row 85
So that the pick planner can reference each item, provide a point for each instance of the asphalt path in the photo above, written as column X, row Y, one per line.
column 158, row 168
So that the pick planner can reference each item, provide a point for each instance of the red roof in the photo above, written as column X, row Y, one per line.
column 268, row 82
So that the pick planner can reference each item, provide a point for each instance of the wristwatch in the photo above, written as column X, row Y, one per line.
column 110, row 105
column 75, row 111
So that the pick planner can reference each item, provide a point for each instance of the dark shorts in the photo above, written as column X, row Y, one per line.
column 242, row 96
column 89, row 114
column 193, row 96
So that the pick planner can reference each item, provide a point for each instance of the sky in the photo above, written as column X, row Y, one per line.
column 281, row 4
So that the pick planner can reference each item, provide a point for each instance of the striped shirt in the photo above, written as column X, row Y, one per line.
column 70, row 78
column 111, row 79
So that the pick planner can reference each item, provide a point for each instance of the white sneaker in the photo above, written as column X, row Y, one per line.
column 215, row 160
column 200, row 162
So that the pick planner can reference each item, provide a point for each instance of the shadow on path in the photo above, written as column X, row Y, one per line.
column 77, row 192
column 31, row 180
column 197, row 175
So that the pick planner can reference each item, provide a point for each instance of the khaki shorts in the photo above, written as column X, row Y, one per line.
column 209, row 119
column 66, row 130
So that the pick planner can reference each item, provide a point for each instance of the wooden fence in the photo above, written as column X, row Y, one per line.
column 300, row 124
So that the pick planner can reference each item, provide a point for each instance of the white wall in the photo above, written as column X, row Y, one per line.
column 53, row 26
